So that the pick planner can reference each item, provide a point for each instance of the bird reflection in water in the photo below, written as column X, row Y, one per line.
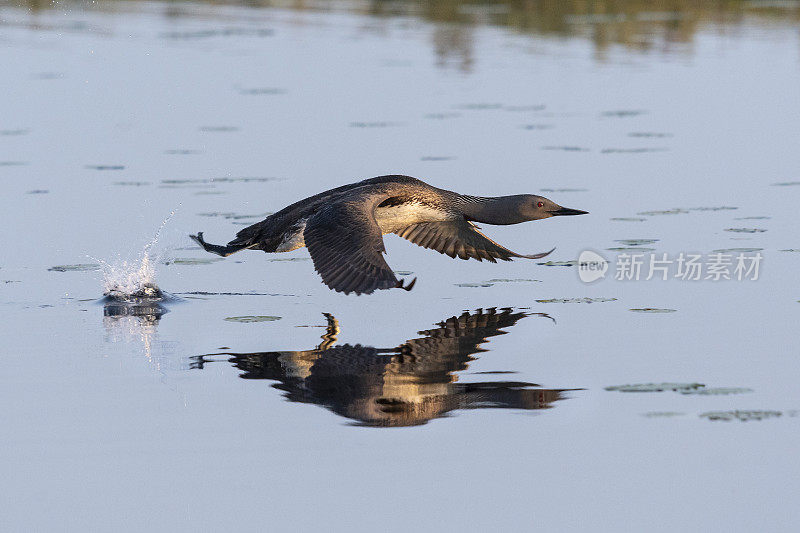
column 403, row 386
column 131, row 318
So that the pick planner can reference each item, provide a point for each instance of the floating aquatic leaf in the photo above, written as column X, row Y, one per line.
column 753, row 218
column 252, row 318
column 745, row 230
column 631, row 249
column 628, row 219
column 88, row 267
column 737, row 250
column 676, row 211
column 570, row 263
column 662, row 414
column 656, row 387
column 717, row 391
column 194, row 260
column 743, row 416
column 653, row 310
column 575, row 300
column 403, row 272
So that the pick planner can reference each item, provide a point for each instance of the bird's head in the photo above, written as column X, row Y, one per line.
column 534, row 207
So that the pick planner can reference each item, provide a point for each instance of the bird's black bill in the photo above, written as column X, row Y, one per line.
column 563, row 211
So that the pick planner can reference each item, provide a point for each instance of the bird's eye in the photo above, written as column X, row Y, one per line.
column 540, row 204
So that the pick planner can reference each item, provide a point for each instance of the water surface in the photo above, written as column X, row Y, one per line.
column 456, row 406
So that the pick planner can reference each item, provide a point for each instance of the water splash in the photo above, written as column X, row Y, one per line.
column 134, row 281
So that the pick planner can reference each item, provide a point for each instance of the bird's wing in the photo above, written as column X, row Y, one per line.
column 461, row 238
column 346, row 245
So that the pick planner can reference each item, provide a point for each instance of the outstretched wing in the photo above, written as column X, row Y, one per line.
column 461, row 238
column 346, row 245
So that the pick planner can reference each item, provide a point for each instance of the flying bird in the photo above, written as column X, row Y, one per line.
column 343, row 228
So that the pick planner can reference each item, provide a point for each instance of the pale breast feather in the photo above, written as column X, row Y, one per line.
column 393, row 218
column 293, row 238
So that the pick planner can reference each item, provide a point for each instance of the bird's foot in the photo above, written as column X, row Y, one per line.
column 401, row 284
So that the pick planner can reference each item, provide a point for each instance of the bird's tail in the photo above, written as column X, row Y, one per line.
column 223, row 251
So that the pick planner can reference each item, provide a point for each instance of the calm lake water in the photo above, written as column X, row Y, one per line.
column 253, row 398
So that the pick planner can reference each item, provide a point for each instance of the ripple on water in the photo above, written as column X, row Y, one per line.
column 742, row 416
column 653, row 310
column 569, row 263
column 714, row 208
column 566, row 148
column 575, row 300
column 636, row 242
column 745, row 230
column 717, row 391
column 675, row 211
column 622, row 113
column 737, row 250
column 193, row 260
column 105, row 167
column 252, row 318
column 632, row 150
column 80, row 267
column 649, row 134
column 655, row 387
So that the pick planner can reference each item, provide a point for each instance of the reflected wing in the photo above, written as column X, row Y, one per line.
column 346, row 245
column 459, row 238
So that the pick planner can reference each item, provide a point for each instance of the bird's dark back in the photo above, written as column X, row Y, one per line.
column 270, row 231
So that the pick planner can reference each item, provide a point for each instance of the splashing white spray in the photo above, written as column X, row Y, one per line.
column 132, row 281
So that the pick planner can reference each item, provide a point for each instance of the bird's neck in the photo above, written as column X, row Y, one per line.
column 498, row 210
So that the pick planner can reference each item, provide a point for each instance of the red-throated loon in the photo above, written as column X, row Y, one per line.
column 343, row 228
